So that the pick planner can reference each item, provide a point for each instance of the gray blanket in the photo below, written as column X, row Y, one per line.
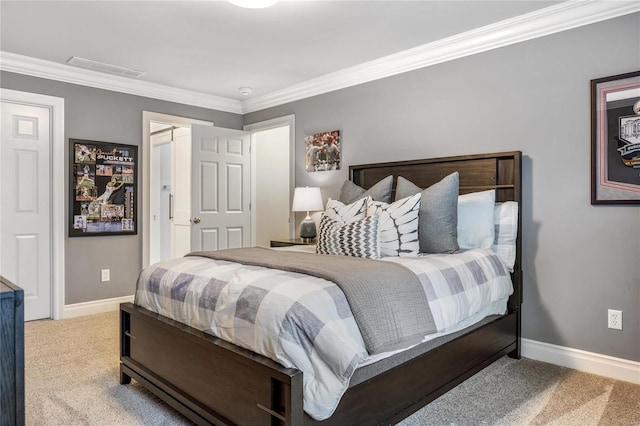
column 387, row 300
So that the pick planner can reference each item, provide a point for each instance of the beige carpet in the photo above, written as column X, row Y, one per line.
column 71, row 378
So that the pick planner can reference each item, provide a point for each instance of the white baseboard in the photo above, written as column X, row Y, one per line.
column 589, row 362
column 94, row 307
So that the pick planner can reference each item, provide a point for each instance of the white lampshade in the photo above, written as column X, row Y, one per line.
column 307, row 199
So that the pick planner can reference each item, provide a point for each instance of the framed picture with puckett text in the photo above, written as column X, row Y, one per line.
column 615, row 139
column 102, row 188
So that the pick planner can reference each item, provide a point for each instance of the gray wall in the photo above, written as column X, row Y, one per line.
column 103, row 115
column 579, row 259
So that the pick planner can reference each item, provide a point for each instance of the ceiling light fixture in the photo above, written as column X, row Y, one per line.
column 254, row 4
column 245, row 91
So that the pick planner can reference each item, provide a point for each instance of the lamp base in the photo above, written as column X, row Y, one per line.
column 308, row 229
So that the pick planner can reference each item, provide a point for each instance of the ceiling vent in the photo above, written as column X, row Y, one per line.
column 102, row 67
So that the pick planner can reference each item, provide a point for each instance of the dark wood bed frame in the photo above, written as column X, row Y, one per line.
column 212, row 381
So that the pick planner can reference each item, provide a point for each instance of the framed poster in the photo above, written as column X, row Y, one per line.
column 322, row 151
column 103, row 185
column 615, row 139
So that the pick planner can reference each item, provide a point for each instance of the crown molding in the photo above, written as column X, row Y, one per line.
column 20, row 64
column 554, row 19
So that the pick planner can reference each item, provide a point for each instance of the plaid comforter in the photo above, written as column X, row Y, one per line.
column 305, row 322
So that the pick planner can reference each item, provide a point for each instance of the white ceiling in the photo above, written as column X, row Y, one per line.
column 214, row 47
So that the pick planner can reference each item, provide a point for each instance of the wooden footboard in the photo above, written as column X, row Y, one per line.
column 212, row 381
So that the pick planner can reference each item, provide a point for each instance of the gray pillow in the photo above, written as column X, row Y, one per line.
column 438, row 218
column 381, row 191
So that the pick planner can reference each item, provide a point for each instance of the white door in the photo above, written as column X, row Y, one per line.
column 220, row 188
column 25, row 226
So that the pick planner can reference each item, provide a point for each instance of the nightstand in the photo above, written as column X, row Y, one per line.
column 287, row 242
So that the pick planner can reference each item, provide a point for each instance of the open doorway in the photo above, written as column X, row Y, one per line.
column 170, row 191
column 166, row 143
column 272, row 183
column 273, row 179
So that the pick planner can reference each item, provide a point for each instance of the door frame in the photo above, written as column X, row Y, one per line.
column 289, row 120
column 147, row 118
column 56, row 189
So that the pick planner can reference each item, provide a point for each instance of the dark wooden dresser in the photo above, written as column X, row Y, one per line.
column 11, row 354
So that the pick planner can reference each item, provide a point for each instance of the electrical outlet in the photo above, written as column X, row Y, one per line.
column 105, row 275
column 614, row 319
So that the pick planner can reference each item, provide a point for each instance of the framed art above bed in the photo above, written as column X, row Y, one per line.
column 213, row 381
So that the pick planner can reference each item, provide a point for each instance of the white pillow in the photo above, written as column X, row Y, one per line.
column 347, row 213
column 506, row 230
column 398, row 225
column 475, row 220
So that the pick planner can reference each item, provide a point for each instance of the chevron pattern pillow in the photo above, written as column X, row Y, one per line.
column 398, row 225
column 359, row 238
column 347, row 213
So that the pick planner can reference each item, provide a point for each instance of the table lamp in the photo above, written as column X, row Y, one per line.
column 305, row 200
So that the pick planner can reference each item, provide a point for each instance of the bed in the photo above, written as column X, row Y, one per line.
column 212, row 381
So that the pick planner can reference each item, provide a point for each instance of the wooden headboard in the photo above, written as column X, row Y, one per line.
column 479, row 172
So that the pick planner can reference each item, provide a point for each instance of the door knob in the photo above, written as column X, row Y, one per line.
column 196, row 220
